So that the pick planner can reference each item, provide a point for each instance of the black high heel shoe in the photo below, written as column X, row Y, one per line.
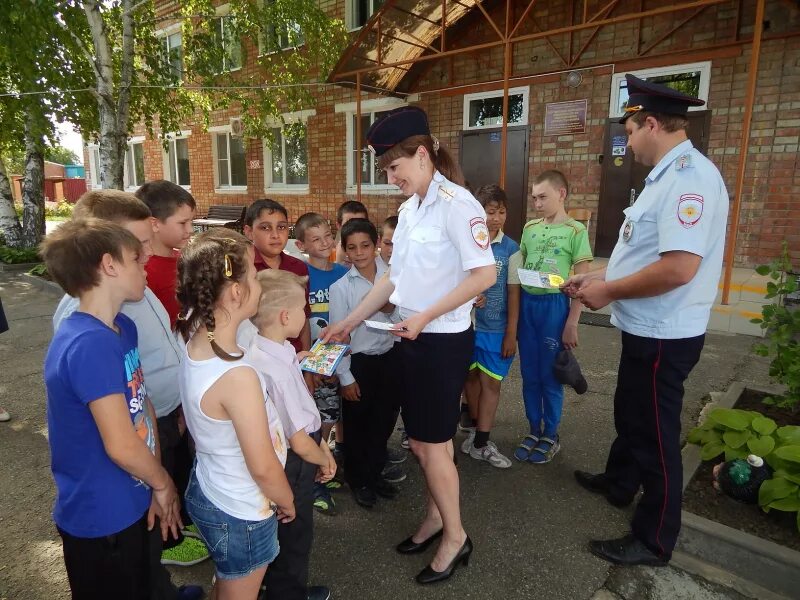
column 428, row 575
column 409, row 546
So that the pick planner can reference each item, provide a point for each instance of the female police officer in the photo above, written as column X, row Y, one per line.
column 442, row 260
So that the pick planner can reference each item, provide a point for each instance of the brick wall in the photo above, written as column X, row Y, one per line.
column 770, row 210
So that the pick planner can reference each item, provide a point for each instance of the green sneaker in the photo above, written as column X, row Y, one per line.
column 189, row 552
column 191, row 531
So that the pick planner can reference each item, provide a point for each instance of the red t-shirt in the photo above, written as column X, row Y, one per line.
column 293, row 265
column 162, row 279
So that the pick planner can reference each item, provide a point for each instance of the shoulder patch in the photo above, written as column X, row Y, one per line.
column 684, row 161
column 480, row 232
column 690, row 209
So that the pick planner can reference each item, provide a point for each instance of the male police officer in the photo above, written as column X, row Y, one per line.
column 661, row 281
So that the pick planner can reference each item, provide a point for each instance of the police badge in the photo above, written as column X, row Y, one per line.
column 627, row 231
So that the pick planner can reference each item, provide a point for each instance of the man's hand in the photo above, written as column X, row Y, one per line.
column 286, row 514
column 351, row 392
column 594, row 294
column 166, row 506
column 509, row 348
column 570, row 336
column 576, row 282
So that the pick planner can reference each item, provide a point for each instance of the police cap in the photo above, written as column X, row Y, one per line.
column 395, row 126
column 657, row 98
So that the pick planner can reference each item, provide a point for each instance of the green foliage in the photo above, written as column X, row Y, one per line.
column 61, row 211
column 40, row 270
column 16, row 256
column 782, row 326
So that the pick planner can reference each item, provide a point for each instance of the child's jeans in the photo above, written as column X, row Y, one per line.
column 541, row 324
column 113, row 566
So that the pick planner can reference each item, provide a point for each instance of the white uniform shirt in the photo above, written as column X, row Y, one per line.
column 436, row 243
column 683, row 207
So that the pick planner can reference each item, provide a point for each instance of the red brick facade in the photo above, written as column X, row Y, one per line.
column 770, row 209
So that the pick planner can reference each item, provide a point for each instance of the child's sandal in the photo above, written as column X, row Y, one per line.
column 544, row 451
column 525, row 447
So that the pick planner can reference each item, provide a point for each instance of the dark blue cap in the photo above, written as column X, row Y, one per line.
column 395, row 126
column 656, row 98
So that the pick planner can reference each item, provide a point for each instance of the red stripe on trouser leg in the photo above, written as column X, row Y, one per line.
column 660, row 448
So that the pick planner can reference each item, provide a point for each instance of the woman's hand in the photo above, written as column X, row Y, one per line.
column 411, row 327
column 480, row 301
column 336, row 332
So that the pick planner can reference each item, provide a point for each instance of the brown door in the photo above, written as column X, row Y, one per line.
column 480, row 161
column 622, row 178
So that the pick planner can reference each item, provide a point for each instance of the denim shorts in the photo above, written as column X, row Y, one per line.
column 237, row 547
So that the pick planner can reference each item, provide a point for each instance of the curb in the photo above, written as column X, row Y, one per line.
column 48, row 287
column 711, row 544
column 16, row 267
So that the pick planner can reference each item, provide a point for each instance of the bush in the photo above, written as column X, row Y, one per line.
column 62, row 210
column 16, row 256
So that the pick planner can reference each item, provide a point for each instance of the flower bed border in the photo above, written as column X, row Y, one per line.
column 769, row 565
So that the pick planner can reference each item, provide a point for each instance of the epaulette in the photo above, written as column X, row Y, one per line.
column 446, row 194
column 684, row 161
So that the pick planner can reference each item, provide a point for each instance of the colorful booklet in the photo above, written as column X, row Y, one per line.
column 324, row 358
column 540, row 279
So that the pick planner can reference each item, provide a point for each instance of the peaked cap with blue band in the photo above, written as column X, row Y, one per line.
column 395, row 126
column 656, row 98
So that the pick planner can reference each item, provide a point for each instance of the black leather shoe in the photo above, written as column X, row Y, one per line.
column 598, row 484
column 319, row 592
column 626, row 551
column 428, row 575
column 409, row 546
column 384, row 489
column 365, row 497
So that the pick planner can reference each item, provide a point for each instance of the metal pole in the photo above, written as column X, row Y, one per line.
column 758, row 30
column 506, row 75
column 358, row 137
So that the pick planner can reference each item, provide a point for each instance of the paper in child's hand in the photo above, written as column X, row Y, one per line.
column 540, row 279
column 324, row 358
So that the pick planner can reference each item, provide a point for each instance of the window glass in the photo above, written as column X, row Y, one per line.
column 237, row 162
column 134, row 165
column 178, row 158
column 488, row 112
column 687, row 82
column 363, row 10
column 174, row 54
column 222, row 160
column 363, row 158
column 295, row 153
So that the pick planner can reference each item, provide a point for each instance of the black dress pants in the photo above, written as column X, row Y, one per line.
column 647, row 417
column 370, row 421
column 287, row 575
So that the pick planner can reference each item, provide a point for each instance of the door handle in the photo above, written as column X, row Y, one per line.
column 632, row 197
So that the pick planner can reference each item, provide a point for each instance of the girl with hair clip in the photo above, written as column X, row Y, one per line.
column 441, row 261
column 237, row 491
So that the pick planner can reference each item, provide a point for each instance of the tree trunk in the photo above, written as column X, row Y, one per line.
column 33, row 184
column 9, row 223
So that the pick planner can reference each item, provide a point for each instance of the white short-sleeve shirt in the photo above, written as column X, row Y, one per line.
column 683, row 207
column 438, row 240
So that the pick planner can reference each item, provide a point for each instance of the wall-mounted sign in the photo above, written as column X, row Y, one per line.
column 562, row 118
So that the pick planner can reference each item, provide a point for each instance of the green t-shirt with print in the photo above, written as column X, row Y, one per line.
column 553, row 248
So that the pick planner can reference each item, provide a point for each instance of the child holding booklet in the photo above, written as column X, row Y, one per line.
column 237, row 491
column 281, row 316
column 369, row 376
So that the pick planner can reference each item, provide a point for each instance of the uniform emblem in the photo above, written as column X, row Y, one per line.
column 480, row 233
column 690, row 209
column 683, row 162
column 627, row 231
column 446, row 194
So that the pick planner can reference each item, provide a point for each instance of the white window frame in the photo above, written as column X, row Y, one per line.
column 229, row 189
column 301, row 116
column 164, row 35
column 350, row 9
column 170, row 139
column 523, row 90
column 136, row 140
column 367, row 107
column 93, row 181
column 705, row 82
column 222, row 13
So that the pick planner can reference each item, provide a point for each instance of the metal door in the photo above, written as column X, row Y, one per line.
column 622, row 178
column 480, row 161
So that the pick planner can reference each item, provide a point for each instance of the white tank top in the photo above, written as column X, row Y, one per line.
column 221, row 469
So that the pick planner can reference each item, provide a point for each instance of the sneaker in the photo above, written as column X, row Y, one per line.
column 395, row 456
column 189, row 552
column 467, row 443
column 323, row 501
column 393, row 473
column 490, row 454
column 190, row 592
column 319, row 592
column 384, row 489
column 404, row 441
column 192, row 531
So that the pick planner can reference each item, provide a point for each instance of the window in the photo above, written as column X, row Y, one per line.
column 230, row 44
column 287, row 158
column 691, row 79
column 134, row 164
column 360, row 11
column 275, row 39
column 485, row 110
column 229, row 162
column 176, row 159
column 173, row 54
column 94, row 166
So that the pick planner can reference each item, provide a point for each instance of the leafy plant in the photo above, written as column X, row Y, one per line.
column 62, row 210
column 782, row 325
column 40, row 270
column 734, row 433
column 16, row 256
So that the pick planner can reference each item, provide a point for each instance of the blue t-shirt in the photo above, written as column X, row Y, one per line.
column 494, row 315
column 319, row 284
column 87, row 361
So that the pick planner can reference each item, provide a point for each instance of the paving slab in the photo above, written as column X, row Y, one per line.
column 530, row 523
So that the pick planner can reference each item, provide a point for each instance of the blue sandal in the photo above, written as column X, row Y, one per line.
column 525, row 447
column 545, row 450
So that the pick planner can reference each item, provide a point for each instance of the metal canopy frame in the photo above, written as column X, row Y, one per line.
column 420, row 47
